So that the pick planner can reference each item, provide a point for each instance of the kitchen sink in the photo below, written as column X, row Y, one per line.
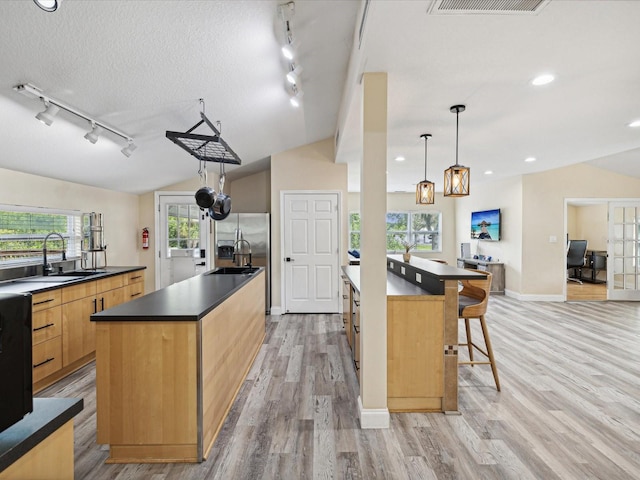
column 79, row 273
column 48, row 279
column 234, row 271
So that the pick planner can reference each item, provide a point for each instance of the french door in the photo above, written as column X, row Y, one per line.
column 310, row 247
column 623, row 263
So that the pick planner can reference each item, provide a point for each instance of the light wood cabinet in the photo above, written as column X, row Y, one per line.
column 346, row 307
column 64, row 337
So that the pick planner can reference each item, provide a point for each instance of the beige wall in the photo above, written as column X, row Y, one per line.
column 251, row 194
column 119, row 210
column 592, row 225
column 509, row 249
column 310, row 167
column 406, row 202
column 543, row 199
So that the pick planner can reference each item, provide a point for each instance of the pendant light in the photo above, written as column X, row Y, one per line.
column 425, row 190
column 456, row 177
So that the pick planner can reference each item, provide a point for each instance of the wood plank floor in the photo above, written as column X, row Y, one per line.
column 586, row 291
column 569, row 407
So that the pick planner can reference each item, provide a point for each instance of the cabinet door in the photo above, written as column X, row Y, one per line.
column 111, row 298
column 78, row 332
column 346, row 307
column 46, row 324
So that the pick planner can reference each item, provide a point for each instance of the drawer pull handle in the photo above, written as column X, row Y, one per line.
column 135, row 278
column 356, row 328
column 44, row 301
column 46, row 361
column 136, row 294
column 357, row 302
column 44, row 326
column 357, row 364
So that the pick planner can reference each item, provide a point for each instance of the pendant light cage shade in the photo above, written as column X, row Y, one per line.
column 456, row 181
column 456, row 177
column 425, row 193
column 425, row 190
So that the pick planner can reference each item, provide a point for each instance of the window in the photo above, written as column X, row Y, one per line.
column 23, row 230
column 183, row 222
column 421, row 228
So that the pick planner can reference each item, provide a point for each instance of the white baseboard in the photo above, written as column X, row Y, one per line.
column 534, row 298
column 276, row 310
column 373, row 417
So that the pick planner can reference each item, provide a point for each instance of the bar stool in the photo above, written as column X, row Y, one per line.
column 472, row 303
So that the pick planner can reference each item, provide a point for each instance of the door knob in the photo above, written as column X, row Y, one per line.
column 289, row 259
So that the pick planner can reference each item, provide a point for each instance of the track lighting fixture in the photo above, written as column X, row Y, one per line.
column 48, row 5
column 47, row 115
column 293, row 77
column 54, row 106
column 93, row 135
column 128, row 150
column 296, row 97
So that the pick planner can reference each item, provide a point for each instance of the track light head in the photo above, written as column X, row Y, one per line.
column 296, row 98
column 293, row 77
column 47, row 115
column 95, row 132
column 128, row 150
column 48, row 5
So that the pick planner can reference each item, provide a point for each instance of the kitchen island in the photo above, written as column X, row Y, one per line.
column 422, row 332
column 169, row 365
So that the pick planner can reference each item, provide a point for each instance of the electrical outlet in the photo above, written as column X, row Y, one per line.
column 418, row 278
column 402, row 270
column 391, row 265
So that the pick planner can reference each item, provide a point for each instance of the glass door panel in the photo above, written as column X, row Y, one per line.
column 623, row 275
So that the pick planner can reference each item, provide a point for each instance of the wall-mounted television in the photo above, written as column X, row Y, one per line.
column 485, row 225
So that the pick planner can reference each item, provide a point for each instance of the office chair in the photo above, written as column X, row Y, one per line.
column 576, row 253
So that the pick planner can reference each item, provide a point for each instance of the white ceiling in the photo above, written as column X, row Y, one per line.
column 142, row 66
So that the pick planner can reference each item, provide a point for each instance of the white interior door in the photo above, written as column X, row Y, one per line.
column 623, row 262
column 183, row 239
column 311, row 252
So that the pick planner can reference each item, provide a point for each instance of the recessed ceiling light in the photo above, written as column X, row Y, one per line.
column 530, row 159
column 488, row 172
column 543, row 79
column 400, row 158
column 635, row 123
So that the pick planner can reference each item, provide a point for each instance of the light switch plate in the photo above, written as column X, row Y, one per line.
column 402, row 270
column 418, row 278
column 391, row 265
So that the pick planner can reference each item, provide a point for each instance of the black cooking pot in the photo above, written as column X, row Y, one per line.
column 220, row 216
column 221, row 207
column 205, row 197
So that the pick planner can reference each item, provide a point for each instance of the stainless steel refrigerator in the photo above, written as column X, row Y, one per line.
column 244, row 238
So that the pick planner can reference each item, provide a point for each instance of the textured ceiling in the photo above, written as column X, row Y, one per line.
column 142, row 66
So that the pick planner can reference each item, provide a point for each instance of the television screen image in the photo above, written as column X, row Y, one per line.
column 485, row 225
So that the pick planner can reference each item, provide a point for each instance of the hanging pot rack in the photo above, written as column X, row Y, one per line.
column 206, row 148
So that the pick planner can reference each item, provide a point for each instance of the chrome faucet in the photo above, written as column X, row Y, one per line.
column 46, row 267
column 240, row 255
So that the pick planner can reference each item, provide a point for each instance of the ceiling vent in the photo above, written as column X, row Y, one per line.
column 486, row 7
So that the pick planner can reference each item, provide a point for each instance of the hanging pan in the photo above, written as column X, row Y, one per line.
column 221, row 207
column 205, row 196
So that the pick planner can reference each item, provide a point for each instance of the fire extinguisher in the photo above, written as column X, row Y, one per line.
column 145, row 238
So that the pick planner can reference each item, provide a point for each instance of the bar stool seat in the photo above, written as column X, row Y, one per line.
column 472, row 303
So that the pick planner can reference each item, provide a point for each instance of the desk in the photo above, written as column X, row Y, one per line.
column 496, row 269
column 596, row 262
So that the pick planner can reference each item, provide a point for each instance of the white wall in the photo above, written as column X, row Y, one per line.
column 119, row 210
column 592, row 225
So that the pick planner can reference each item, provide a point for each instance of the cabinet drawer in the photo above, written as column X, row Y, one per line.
column 47, row 358
column 40, row 301
column 75, row 292
column 484, row 268
column 134, row 277
column 133, row 291
column 109, row 283
column 46, row 324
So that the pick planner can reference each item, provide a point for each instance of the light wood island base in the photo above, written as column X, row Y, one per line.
column 164, row 387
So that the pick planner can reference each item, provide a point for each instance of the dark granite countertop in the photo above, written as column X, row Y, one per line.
column 42, row 284
column 435, row 269
column 48, row 415
column 188, row 300
column 396, row 286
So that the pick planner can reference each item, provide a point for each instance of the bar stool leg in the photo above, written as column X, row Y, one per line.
column 469, row 342
column 487, row 342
